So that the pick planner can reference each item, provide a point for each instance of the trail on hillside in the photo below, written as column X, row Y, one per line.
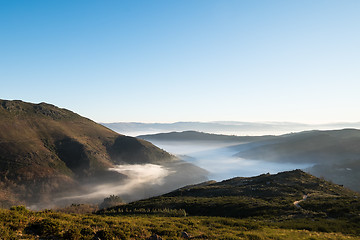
column 297, row 203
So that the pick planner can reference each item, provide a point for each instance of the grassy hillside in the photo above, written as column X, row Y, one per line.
column 265, row 196
column 45, row 150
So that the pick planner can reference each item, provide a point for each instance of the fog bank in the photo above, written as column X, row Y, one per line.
column 219, row 159
column 142, row 181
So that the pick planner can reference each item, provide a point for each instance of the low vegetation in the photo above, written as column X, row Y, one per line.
column 20, row 223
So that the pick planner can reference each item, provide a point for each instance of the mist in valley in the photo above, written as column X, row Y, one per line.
column 219, row 159
column 138, row 181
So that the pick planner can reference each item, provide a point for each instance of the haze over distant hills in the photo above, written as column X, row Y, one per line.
column 223, row 127
column 334, row 155
column 201, row 137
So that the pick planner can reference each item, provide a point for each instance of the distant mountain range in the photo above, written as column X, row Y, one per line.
column 223, row 127
column 189, row 136
column 46, row 151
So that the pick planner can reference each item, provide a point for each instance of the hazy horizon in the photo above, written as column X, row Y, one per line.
column 227, row 128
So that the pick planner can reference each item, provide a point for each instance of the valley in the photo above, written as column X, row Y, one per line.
column 219, row 159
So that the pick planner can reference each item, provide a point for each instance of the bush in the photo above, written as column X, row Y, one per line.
column 87, row 232
column 44, row 228
column 104, row 235
column 73, row 233
column 111, row 201
column 20, row 208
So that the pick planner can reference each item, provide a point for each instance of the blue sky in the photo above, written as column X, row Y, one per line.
column 203, row 60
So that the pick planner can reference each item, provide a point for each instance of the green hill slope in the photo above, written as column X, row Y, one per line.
column 278, row 196
column 45, row 150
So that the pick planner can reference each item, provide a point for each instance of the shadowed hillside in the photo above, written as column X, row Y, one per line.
column 312, row 146
column 336, row 153
column 45, row 150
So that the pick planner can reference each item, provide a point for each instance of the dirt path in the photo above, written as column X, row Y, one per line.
column 296, row 203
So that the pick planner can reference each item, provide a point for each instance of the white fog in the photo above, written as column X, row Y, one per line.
column 218, row 159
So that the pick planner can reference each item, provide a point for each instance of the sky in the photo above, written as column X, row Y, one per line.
column 168, row 61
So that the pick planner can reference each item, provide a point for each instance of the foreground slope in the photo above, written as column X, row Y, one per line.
column 45, row 150
column 21, row 224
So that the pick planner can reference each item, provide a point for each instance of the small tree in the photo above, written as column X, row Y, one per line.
column 111, row 201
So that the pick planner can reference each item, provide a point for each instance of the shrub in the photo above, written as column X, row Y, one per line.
column 73, row 233
column 104, row 235
column 44, row 227
column 87, row 232
column 111, row 201
column 20, row 208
